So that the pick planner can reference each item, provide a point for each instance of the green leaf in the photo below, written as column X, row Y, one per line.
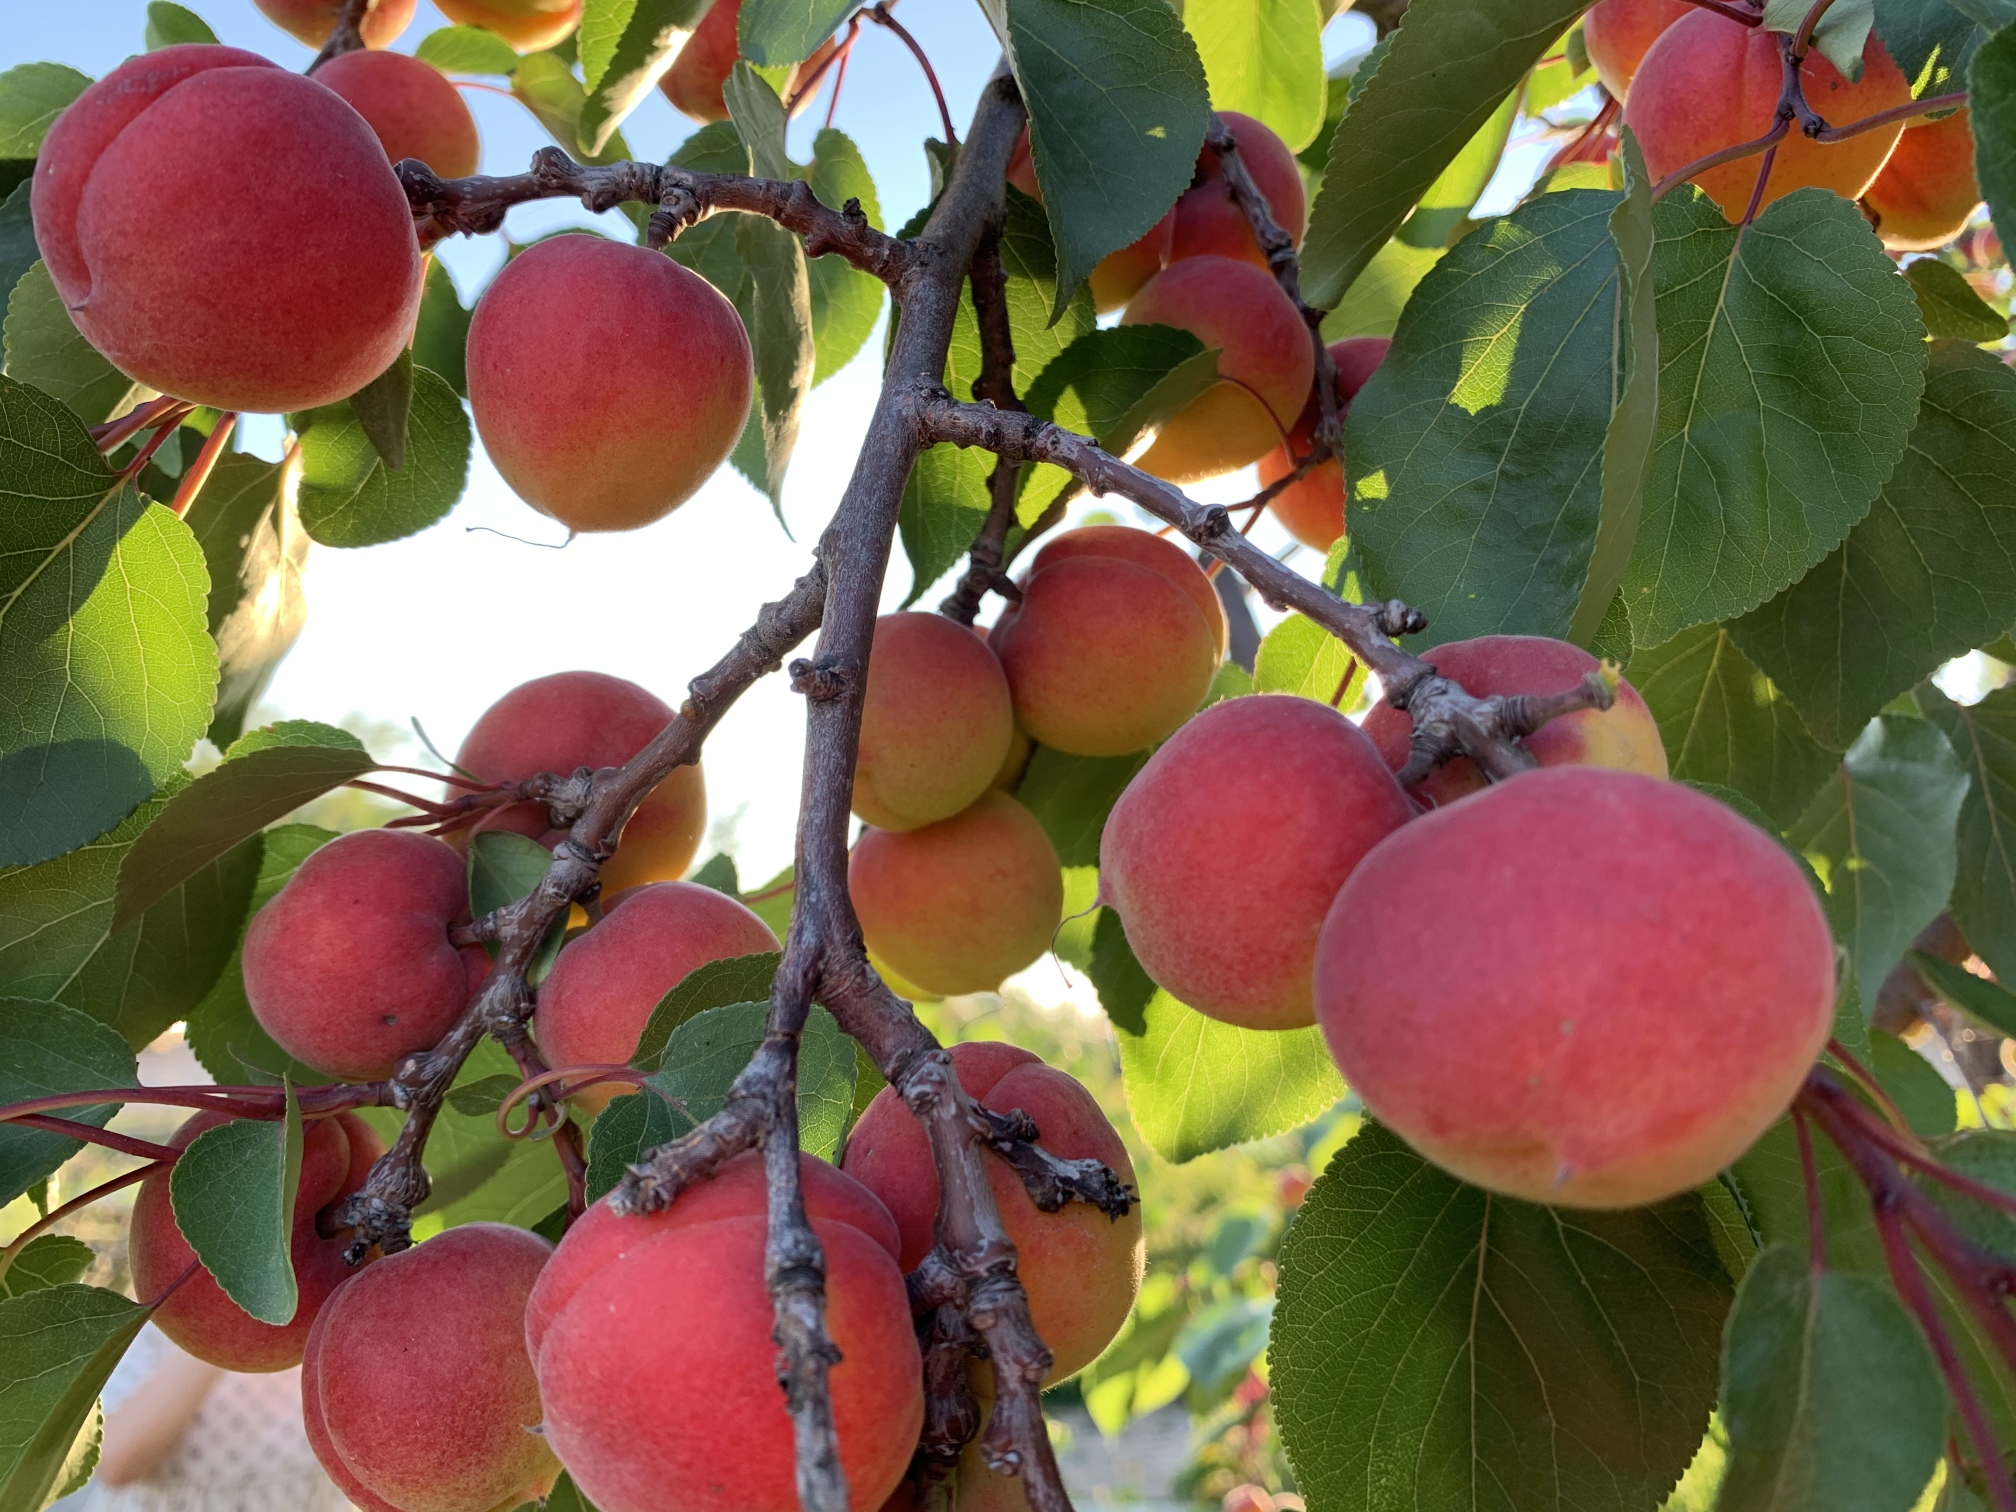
column 845, row 300
column 503, row 868
column 1442, row 77
column 1987, row 1003
column 484, row 1096
column 1949, row 305
column 233, row 1194
column 1299, row 656
column 1072, row 795
column 1838, row 37
column 348, row 498
column 1984, row 884
column 1832, row 1397
column 1722, row 721
column 1928, row 573
column 57, row 1347
column 48, row 1260
column 1920, row 1092
column 466, row 50
column 1263, row 58
column 32, row 95
column 1930, row 40
column 382, row 408
column 247, row 523
column 1880, row 834
column 566, row 1497
column 778, row 33
column 546, row 86
column 1117, row 105
column 169, row 25
column 441, row 340
column 626, row 46
column 715, row 984
column 1438, row 1347
column 266, row 776
column 52, row 1051
column 45, row 348
column 1991, row 100
column 1476, row 453
column 18, row 252
column 1791, row 362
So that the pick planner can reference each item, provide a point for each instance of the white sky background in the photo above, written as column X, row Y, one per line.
column 440, row 624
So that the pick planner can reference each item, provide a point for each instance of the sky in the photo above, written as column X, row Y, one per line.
column 437, row 626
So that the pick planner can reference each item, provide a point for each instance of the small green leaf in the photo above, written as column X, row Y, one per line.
column 52, row 1051
column 32, row 95
column 233, row 1194
column 1950, row 306
column 18, row 252
column 48, row 1260
column 1299, row 656
column 845, row 300
column 1263, row 58
column 1984, row 886
column 485, row 1095
column 57, row 1347
column 382, row 408
column 170, row 25
column 716, row 984
column 1920, row 1092
column 466, row 50
column 777, row 33
column 441, row 340
column 249, row 527
column 626, row 46
column 566, row 1497
column 45, row 348
column 348, row 498
column 1839, row 36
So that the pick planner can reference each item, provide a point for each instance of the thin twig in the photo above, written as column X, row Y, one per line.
column 879, row 14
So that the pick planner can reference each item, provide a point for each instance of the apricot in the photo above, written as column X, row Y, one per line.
column 693, row 82
column 1623, row 737
column 1208, row 221
column 1710, row 83
column 1582, row 987
column 190, row 285
column 312, row 21
column 651, row 1338
column 1927, row 192
column 1222, row 855
column 607, row 381
column 336, row 1156
column 1265, row 364
column 936, row 725
column 350, row 967
column 956, row 906
column 1618, row 34
column 410, row 106
column 1080, row 1268
column 417, row 1388
column 1312, row 507
column 528, row 25
column 599, row 995
column 1016, row 762
column 568, row 720
column 1114, row 643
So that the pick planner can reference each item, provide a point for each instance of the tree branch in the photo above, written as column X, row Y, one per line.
column 348, row 35
column 996, row 385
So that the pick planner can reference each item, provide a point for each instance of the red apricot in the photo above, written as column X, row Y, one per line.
column 1224, row 852
column 1927, row 192
column 599, row 995
column 1624, row 736
column 350, row 966
column 1209, row 222
column 1312, row 507
column 607, row 381
column 410, row 107
column 1581, row 986
column 936, row 725
column 1080, row 1268
column 1618, row 34
column 1265, row 364
column 958, row 905
column 336, row 1156
column 567, row 720
column 417, row 1388
column 693, row 82
column 311, row 21
column 1710, row 83
column 528, row 25
column 191, row 285
column 655, row 1358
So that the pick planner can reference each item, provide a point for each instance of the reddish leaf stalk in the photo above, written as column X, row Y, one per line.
column 879, row 14
column 206, row 461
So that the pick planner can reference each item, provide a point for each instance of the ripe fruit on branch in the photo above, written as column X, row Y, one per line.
column 1618, row 34
column 936, row 726
column 528, row 25
column 312, row 21
column 1926, row 193
column 1580, row 986
column 1264, row 364
column 1624, row 736
column 1080, row 1268
column 336, row 1156
column 958, row 905
column 1312, row 507
column 599, row 995
column 607, row 381
column 186, row 283
column 1208, row 221
column 1225, row 851
column 417, row 1392
column 1710, row 83
column 693, row 82
column 567, row 720
column 1115, row 641
column 652, row 1341
column 410, row 106
column 349, row 967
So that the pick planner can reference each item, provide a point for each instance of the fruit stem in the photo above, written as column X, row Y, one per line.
column 198, row 472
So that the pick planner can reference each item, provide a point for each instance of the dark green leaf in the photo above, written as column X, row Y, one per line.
column 716, row 984
column 1991, row 101
column 625, row 46
column 48, row 1260
column 466, row 50
column 1930, row 40
column 1880, row 834
column 1989, row 1157
column 1442, row 77
column 348, row 498
column 57, row 1347
column 18, row 252
column 1988, row 1003
column 845, row 300
column 52, row 1051
column 718, row 872
column 1072, row 795
column 503, row 868
column 1769, row 1184
column 566, row 1497
column 1439, row 1347
column 1984, row 887
column 777, row 33
column 478, row 1175
column 1791, row 361
column 1723, row 722
column 32, row 95
column 382, row 408
column 1949, row 305
column 45, row 348
column 233, row 1193
column 484, row 1096
column 169, row 25
column 246, row 521
column 1928, row 573
column 545, row 85
column 1831, row 1397
column 1263, row 58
